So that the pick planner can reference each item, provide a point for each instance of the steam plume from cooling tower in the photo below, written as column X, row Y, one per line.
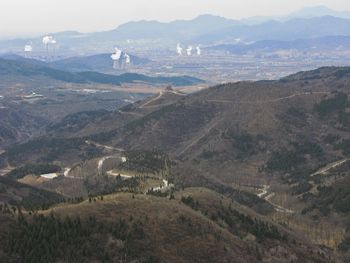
column 189, row 50
column 116, row 58
column 179, row 49
column 199, row 51
column 27, row 50
column 127, row 58
column 47, row 41
column 117, row 54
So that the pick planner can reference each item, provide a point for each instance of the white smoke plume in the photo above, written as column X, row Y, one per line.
column 47, row 40
column 28, row 48
column 117, row 54
column 189, row 50
column 127, row 58
column 116, row 57
column 199, row 51
column 179, row 49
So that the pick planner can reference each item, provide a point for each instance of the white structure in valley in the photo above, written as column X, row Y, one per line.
column 179, row 49
column 199, row 51
column 120, row 59
column 28, row 49
column 47, row 41
column 189, row 50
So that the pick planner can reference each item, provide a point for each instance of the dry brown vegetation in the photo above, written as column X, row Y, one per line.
column 173, row 231
column 232, row 139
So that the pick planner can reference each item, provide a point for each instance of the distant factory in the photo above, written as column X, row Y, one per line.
column 121, row 60
column 50, row 45
column 189, row 50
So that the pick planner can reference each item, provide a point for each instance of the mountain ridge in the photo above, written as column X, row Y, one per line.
column 204, row 29
column 26, row 69
column 256, row 147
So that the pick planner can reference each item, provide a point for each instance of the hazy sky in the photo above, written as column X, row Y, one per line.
column 24, row 17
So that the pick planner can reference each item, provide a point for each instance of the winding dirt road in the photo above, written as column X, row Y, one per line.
column 110, row 148
column 101, row 161
column 264, row 194
column 271, row 100
column 330, row 166
column 145, row 105
column 152, row 100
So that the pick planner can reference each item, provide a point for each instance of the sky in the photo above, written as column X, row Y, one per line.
column 31, row 17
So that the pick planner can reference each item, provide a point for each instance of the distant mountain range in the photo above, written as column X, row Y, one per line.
column 129, row 34
column 176, row 30
column 317, row 11
column 277, row 30
column 306, row 12
column 322, row 44
column 311, row 22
